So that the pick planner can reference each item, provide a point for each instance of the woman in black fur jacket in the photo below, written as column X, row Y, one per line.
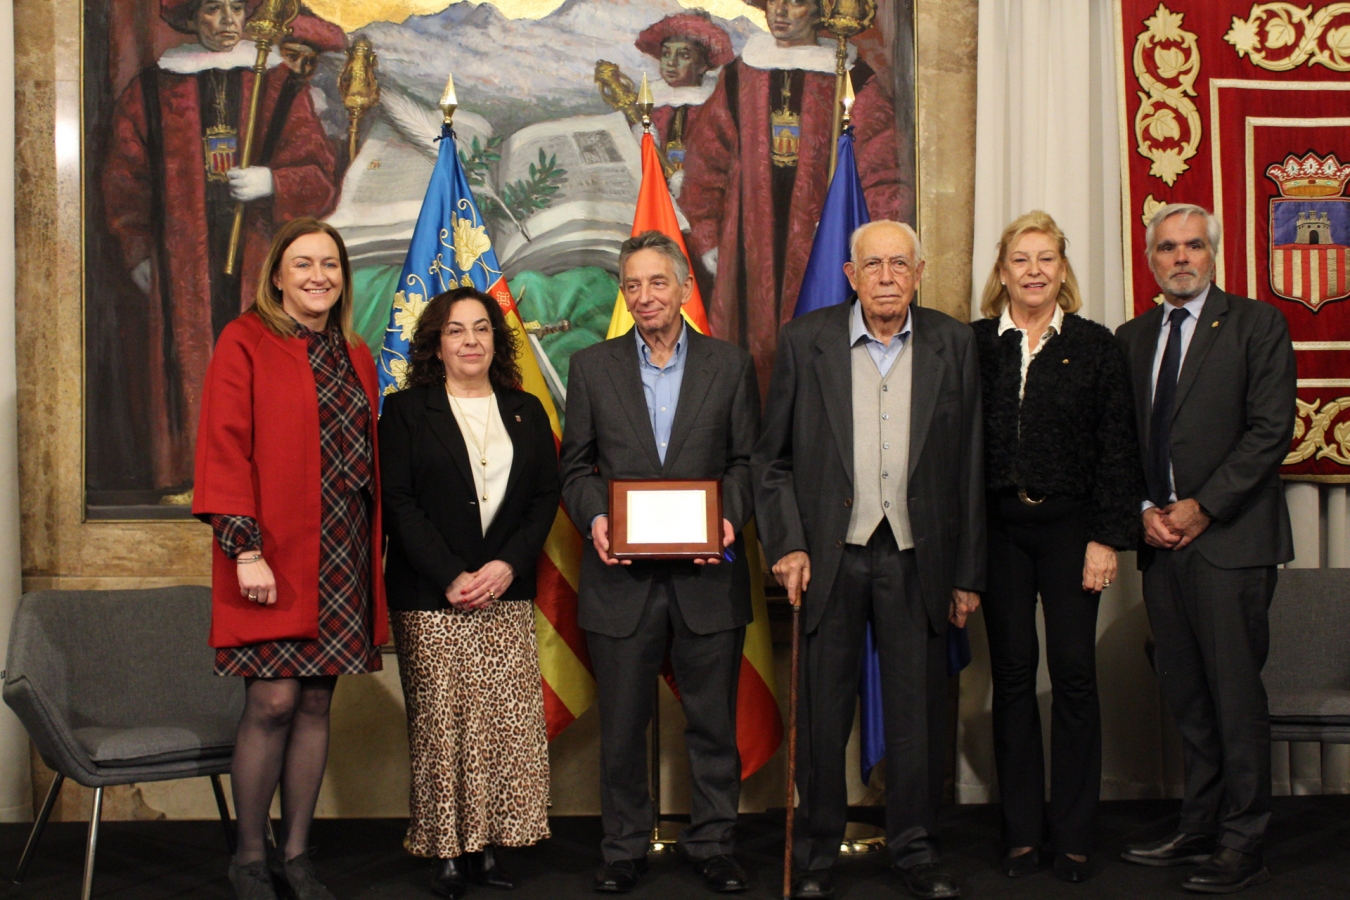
column 1062, row 471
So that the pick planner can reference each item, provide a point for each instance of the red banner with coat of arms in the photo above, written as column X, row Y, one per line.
column 1244, row 108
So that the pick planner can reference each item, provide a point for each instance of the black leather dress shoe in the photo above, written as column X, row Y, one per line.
column 1071, row 870
column 722, row 874
column 1227, row 872
column 929, row 881
column 487, row 870
column 817, row 885
column 451, row 878
column 620, row 876
column 1023, row 864
column 1179, row 849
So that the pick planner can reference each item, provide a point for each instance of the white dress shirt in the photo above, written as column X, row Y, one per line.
column 1006, row 323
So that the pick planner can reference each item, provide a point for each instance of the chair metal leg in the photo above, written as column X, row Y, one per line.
column 36, row 834
column 93, row 845
column 219, row 791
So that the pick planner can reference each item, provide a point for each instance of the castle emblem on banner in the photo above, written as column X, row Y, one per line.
column 1310, row 230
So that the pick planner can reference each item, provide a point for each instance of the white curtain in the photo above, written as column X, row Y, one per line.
column 1047, row 137
column 16, row 802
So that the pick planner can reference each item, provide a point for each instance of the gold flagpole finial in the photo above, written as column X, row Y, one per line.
column 848, row 101
column 645, row 104
column 449, row 101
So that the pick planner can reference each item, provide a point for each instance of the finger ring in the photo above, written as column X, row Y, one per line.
column 252, row 595
column 492, row 595
column 1106, row 583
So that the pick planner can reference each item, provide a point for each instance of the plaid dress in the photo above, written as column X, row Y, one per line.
column 347, row 472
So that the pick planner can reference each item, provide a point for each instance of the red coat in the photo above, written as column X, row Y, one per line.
column 258, row 455
column 728, row 177
column 304, row 184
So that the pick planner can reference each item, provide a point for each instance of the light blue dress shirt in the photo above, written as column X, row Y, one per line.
column 661, row 386
column 1188, row 326
column 883, row 353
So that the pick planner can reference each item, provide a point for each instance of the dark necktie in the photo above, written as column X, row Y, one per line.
column 1160, row 426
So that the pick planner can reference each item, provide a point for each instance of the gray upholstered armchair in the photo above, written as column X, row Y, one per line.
column 1308, row 672
column 116, row 687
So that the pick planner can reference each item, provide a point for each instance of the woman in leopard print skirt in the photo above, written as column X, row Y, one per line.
column 470, row 487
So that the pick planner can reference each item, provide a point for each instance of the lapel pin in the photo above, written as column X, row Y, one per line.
column 517, row 418
column 1066, row 362
column 1215, row 324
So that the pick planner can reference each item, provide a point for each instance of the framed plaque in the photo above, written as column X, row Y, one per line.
column 663, row 518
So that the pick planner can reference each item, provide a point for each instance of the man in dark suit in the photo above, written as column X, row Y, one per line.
column 869, row 487
column 1214, row 388
column 662, row 401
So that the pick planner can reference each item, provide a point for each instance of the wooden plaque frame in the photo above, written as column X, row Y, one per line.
column 621, row 548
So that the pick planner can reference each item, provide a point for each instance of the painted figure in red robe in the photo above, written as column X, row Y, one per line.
column 757, row 170
column 692, row 50
column 171, row 180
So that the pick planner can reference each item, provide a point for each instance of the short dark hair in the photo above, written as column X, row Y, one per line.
column 661, row 243
column 425, row 367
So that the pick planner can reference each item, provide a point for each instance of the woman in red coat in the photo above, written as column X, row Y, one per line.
column 287, row 475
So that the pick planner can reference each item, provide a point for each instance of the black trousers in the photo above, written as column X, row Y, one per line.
column 707, row 671
column 880, row 583
column 1212, row 634
column 1038, row 551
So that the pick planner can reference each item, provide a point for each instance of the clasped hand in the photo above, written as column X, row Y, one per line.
column 479, row 590
column 1175, row 525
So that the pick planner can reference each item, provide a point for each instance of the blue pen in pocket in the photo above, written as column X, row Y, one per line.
column 729, row 555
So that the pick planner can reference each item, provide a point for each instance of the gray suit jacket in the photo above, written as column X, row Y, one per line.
column 609, row 435
column 803, row 463
column 1231, row 425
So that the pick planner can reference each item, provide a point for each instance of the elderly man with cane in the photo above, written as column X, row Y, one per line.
column 877, row 404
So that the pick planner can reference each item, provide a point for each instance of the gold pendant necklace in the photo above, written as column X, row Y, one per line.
column 487, row 422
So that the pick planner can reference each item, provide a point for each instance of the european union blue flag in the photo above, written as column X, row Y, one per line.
column 825, row 284
column 450, row 248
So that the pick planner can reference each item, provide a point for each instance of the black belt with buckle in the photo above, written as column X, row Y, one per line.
column 1028, row 499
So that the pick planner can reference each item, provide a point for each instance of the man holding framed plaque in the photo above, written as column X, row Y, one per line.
column 661, row 422
column 869, row 485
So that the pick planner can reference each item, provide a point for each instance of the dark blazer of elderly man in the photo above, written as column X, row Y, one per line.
column 1214, row 389
column 662, row 401
column 869, row 492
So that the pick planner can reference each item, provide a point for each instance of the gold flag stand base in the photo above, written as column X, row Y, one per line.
column 664, row 838
column 860, row 838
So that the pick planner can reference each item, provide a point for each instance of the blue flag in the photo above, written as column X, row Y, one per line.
column 450, row 248
column 825, row 284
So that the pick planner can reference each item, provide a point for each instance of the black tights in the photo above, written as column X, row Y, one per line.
column 283, row 737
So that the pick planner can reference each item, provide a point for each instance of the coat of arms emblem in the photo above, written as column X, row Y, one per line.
column 1310, row 230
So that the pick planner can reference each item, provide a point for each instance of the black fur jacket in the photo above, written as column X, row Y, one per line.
column 1077, row 435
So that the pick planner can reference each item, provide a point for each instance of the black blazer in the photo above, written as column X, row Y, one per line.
column 803, row 462
column 431, row 507
column 1231, row 425
column 609, row 435
column 1073, row 435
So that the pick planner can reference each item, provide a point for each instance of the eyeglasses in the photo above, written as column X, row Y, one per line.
column 873, row 265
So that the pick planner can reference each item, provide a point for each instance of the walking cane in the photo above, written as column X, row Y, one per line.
column 789, row 811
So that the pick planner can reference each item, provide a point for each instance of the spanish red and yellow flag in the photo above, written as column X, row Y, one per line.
column 759, row 723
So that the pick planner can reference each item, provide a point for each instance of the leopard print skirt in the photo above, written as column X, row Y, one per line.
column 475, row 729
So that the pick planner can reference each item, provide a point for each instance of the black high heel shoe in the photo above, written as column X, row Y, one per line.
column 451, row 878
column 487, row 870
column 1072, row 870
column 1023, row 864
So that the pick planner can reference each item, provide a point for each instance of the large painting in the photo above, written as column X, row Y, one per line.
column 342, row 125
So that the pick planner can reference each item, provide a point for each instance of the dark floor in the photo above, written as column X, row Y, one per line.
column 1309, row 857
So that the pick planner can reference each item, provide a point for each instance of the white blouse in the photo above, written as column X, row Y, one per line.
column 1005, row 323
column 474, row 415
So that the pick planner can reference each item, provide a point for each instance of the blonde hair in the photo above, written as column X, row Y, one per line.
column 267, row 299
column 995, row 297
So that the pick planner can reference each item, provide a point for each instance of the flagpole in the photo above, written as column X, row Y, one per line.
column 844, row 19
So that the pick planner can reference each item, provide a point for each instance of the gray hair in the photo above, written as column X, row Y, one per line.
column 1213, row 230
column 861, row 230
column 655, row 240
